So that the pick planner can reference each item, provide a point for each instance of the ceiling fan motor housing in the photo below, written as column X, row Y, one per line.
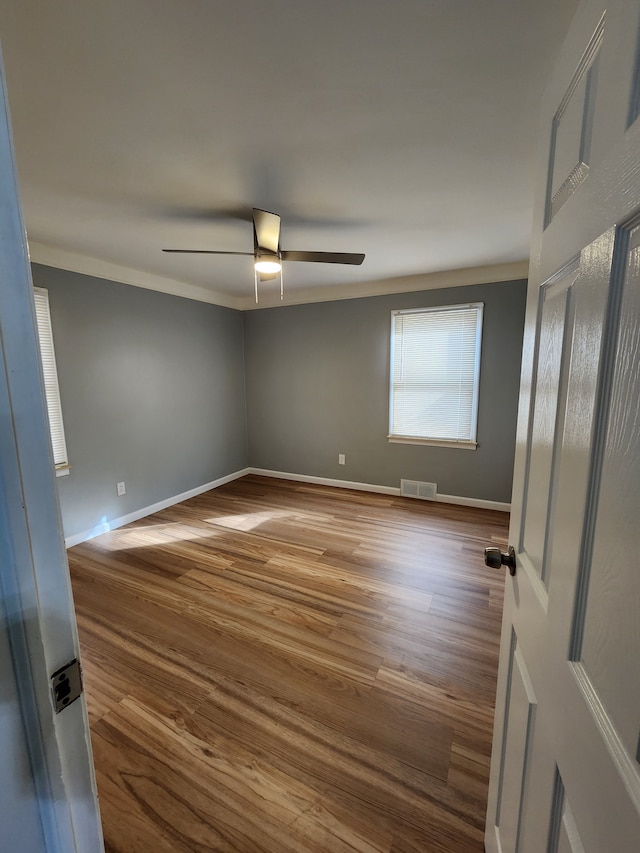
column 264, row 255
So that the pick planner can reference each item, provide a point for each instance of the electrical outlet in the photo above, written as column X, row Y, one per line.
column 121, row 489
column 341, row 459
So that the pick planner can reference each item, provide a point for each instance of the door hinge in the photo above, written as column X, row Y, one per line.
column 66, row 685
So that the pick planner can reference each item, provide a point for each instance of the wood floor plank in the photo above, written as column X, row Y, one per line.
column 307, row 583
column 288, row 604
column 191, row 795
column 274, row 666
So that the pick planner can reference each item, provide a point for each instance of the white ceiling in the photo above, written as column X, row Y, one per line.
column 405, row 129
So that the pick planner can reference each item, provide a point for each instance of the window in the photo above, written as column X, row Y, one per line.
column 52, row 392
column 435, row 373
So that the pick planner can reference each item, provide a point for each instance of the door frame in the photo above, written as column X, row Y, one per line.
column 34, row 582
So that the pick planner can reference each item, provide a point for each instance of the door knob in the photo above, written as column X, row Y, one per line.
column 494, row 558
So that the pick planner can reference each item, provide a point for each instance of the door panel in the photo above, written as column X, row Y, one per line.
column 521, row 705
column 610, row 647
column 565, row 772
column 553, row 341
column 567, row 839
column 572, row 129
column 572, row 488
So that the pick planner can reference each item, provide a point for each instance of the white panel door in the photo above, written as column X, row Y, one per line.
column 565, row 770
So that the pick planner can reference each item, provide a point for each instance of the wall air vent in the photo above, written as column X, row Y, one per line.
column 416, row 489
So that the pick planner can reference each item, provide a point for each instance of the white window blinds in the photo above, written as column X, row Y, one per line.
column 435, row 373
column 43, row 317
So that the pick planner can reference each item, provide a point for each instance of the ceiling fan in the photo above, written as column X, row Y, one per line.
column 267, row 254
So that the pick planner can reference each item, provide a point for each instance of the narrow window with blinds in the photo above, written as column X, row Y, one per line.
column 435, row 375
column 52, row 392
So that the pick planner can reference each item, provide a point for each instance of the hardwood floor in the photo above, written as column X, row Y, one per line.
column 289, row 668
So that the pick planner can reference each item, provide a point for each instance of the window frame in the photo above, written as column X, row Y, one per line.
column 461, row 444
column 50, row 381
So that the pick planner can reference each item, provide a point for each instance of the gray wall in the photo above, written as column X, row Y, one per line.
column 152, row 390
column 317, row 382
column 153, row 393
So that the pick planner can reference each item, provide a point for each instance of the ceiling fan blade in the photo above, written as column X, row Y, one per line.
column 324, row 257
column 207, row 252
column 266, row 230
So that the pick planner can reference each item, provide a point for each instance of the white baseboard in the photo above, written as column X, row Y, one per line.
column 479, row 503
column 105, row 526
column 326, row 481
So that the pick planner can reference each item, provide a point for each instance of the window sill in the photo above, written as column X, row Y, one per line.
column 433, row 442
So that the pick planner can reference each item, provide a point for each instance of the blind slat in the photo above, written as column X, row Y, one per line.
column 52, row 391
column 435, row 373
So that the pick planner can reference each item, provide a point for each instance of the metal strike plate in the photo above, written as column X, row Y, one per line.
column 66, row 685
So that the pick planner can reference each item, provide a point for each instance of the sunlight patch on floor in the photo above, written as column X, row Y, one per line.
column 152, row 534
column 249, row 520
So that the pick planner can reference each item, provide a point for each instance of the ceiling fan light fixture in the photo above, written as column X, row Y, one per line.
column 268, row 266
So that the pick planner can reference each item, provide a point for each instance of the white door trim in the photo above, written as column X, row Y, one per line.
column 35, row 577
